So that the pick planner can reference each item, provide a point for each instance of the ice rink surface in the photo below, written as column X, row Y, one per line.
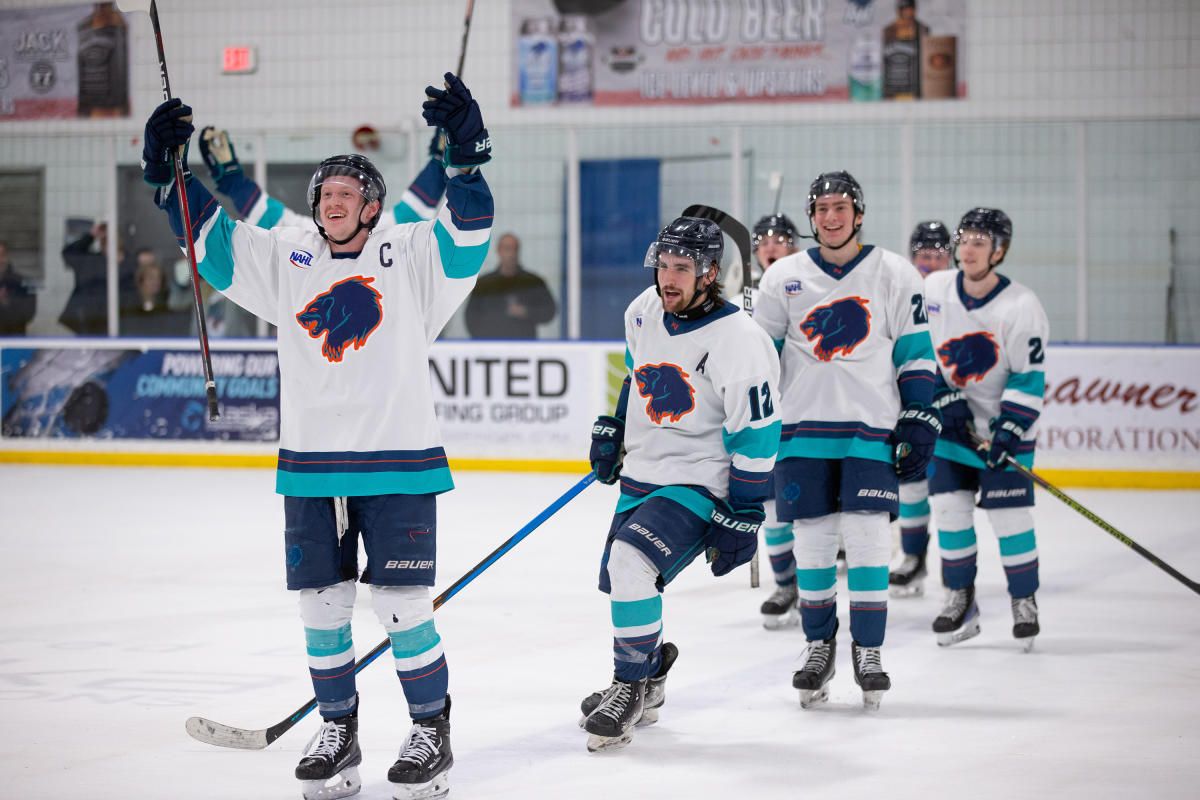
column 135, row 598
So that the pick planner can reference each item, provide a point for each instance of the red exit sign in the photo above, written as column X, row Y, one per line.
column 238, row 60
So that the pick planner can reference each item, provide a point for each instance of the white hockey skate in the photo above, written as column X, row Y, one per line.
column 908, row 579
column 1025, row 621
column 779, row 610
column 959, row 620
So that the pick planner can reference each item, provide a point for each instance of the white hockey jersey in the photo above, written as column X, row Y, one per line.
column 992, row 349
column 854, row 349
column 357, row 415
column 702, row 408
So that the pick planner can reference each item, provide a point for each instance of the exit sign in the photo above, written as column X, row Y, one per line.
column 238, row 60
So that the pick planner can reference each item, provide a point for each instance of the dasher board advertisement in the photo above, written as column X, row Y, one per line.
column 685, row 52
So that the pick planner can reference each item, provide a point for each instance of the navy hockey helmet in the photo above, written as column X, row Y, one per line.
column 840, row 182
column 698, row 239
column 366, row 179
column 929, row 235
column 992, row 221
column 774, row 225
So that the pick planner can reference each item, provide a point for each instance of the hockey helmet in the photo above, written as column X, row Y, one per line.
column 775, row 225
column 699, row 240
column 367, row 181
column 839, row 182
column 992, row 221
column 929, row 235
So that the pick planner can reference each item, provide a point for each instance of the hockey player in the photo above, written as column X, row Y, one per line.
column 990, row 335
column 929, row 247
column 360, row 454
column 698, row 406
column 856, row 386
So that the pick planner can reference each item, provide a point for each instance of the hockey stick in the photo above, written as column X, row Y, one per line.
column 210, row 385
column 462, row 53
column 216, row 733
column 982, row 446
column 775, row 181
column 741, row 238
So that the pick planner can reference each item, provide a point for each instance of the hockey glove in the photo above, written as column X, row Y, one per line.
column 733, row 535
column 608, row 436
column 914, row 437
column 454, row 110
column 1006, row 436
column 957, row 420
column 217, row 152
column 169, row 127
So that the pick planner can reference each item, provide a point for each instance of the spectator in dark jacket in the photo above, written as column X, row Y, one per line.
column 510, row 302
column 87, row 308
column 17, row 300
column 150, row 315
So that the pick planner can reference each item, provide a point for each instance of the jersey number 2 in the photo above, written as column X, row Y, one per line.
column 919, row 315
column 1036, row 356
column 767, row 408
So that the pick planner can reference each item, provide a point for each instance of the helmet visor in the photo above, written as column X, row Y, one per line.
column 338, row 174
column 675, row 257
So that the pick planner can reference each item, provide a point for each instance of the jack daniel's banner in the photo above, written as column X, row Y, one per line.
column 64, row 62
column 640, row 52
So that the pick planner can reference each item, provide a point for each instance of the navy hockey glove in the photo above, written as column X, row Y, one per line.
column 733, row 535
column 958, row 422
column 454, row 110
column 217, row 152
column 914, row 437
column 1006, row 436
column 169, row 127
column 608, row 436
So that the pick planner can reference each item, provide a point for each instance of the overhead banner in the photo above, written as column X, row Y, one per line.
column 64, row 61
column 643, row 52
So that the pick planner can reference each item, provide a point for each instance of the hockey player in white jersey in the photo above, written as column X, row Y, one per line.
column 929, row 247
column 856, row 387
column 360, row 453
column 989, row 333
column 692, row 441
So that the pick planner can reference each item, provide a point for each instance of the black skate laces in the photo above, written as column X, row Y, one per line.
column 817, row 657
column 614, row 700
column 331, row 736
column 421, row 744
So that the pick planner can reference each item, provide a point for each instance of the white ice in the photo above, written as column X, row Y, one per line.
column 135, row 598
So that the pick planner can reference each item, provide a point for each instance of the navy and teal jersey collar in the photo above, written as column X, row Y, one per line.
column 355, row 254
column 675, row 325
column 834, row 270
column 972, row 303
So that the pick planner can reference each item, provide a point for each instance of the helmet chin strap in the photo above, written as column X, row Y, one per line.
column 349, row 238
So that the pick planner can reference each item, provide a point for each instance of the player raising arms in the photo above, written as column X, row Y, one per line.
column 856, row 386
column 929, row 246
column 360, row 453
column 990, row 336
column 697, row 408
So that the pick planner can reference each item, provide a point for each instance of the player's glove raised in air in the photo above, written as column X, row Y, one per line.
column 454, row 111
column 608, row 436
column 733, row 535
column 217, row 151
column 1006, row 436
column 957, row 419
column 914, row 437
column 169, row 127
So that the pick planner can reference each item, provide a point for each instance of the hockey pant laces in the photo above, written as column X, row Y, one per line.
column 421, row 744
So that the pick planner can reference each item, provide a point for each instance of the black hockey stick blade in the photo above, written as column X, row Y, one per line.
column 741, row 238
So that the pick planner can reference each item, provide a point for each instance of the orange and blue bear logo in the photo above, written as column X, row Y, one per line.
column 346, row 315
column 667, row 391
column 970, row 357
column 837, row 327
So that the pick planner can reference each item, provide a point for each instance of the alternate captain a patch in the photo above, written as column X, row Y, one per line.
column 970, row 357
column 667, row 391
column 346, row 314
column 837, row 327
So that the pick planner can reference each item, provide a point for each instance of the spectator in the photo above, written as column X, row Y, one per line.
column 510, row 302
column 150, row 315
column 86, row 312
column 17, row 300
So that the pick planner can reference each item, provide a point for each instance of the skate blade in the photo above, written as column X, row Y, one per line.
column 438, row 787
column 901, row 592
column 774, row 622
column 344, row 784
column 600, row 744
column 813, row 697
column 871, row 699
column 968, row 631
column 1027, row 644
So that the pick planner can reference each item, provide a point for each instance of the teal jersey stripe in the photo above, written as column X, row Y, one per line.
column 634, row 613
column 778, row 345
column 953, row 451
column 867, row 579
column 801, row 447
column 956, row 540
column 217, row 265
column 690, row 499
column 323, row 643
column 458, row 261
column 414, row 641
column 1017, row 544
column 403, row 213
column 1031, row 383
column 816, row 580
column 359, row 484
column 912, row 347
column 754, row 442
column 271, row 215
column 628, row 359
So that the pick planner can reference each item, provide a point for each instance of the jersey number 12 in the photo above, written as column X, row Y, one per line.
column 766, row 408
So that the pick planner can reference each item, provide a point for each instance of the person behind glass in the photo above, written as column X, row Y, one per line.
column 149, row 314
column 86, row 312
column 510, row 302
column 17, row 301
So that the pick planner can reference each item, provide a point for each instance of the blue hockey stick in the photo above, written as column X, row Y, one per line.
column 222, row 735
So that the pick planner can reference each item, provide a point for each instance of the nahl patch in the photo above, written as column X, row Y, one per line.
column 884, row 493
column 793, row 287
column 651, row 537
column 408, row 564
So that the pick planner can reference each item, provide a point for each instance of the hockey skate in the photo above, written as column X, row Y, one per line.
column 813, row 678
column 610, row 725
column 329, row 768
column 908, row 579
column 656, row 690
column 959, row 620
column 869, row 674
column 779, row 610
column 423, row 768
column 1025, row 620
